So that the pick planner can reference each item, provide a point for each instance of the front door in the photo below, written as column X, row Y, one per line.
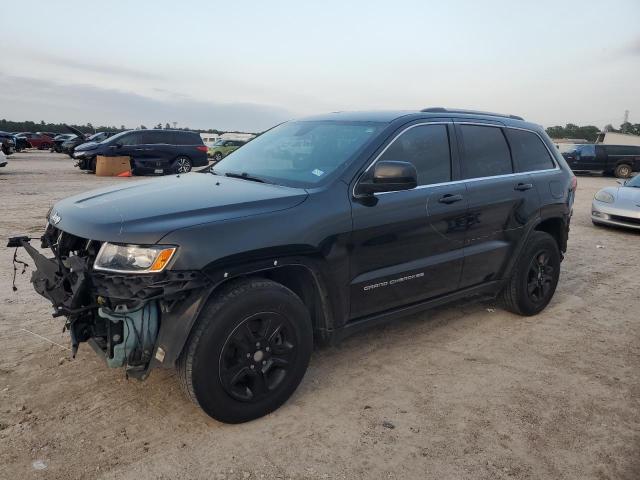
column 408, row 246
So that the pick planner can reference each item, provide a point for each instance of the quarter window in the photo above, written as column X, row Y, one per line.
column 486, row 152
column 427, row 148
column 529, row 153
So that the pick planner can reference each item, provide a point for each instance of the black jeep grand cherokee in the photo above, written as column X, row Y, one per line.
column 312, row 231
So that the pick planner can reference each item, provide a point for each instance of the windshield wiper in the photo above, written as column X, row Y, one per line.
column 245, row 176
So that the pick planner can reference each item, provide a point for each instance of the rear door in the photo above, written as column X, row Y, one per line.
column 501, row 201
column 408, row 245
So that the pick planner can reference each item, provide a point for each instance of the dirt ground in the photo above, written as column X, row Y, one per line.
column 463, row 392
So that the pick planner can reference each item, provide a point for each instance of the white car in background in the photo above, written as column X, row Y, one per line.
column 3, row 159
column 618, row 206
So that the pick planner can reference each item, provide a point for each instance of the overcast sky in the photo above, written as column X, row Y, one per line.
column 248, row 65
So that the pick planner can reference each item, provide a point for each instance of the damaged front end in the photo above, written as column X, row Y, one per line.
column 120, row 315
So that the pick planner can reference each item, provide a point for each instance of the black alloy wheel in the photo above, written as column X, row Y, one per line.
column 257, row 356
column 248, row 351
column 535, row 276
column 540, row 277
column 182, row 164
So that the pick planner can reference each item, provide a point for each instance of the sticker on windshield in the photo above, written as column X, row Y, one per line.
column 318, row 173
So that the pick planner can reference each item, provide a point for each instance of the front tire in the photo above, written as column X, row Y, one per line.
column 217, row 157
column 248, row 351
column 535, row 276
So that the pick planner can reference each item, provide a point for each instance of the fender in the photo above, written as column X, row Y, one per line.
column 535, row 222
column 178, row 322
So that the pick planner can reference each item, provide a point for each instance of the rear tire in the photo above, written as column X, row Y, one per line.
column 248, row 352
column 535, row 276
column 623, row 171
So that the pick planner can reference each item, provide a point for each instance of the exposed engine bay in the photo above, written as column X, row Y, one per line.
column 118, row 314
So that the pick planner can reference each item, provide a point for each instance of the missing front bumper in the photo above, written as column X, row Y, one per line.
column 119, row 315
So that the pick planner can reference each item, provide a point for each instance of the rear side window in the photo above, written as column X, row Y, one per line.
column 427, row 147
column 152, row 137
column 186, row 138
column 486, row 152
column 529, row 153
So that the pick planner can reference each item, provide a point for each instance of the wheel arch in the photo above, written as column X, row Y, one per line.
column 301, row 274
column 554, row 226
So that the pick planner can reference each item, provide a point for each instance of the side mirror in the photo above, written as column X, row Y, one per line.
column 389, row 176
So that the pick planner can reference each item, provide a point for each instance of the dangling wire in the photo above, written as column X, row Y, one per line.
column 17, row 262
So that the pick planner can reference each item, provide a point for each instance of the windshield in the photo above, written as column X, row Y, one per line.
column 95, row 137
column 587, row 150
column 634, row 182
column 300, row 154
column 566, row 147
column 116, row 137
column 218, row 143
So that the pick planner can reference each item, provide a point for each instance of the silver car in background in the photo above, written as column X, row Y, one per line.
column 618, row 206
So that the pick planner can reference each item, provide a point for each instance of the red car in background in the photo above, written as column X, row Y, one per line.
column 37, row 140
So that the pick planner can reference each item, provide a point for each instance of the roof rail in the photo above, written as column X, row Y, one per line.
column 473, row 112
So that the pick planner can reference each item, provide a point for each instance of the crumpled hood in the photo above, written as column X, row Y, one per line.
column 145, row 211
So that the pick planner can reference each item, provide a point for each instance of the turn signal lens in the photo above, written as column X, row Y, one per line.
column 162, row 259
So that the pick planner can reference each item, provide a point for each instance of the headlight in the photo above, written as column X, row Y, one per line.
column 604, row 196
column 133, row 258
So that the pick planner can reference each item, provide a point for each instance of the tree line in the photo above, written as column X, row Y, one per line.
column 590, row 132
column 42, row 126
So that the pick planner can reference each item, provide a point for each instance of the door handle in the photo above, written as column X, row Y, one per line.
column 449, row 198
column 521, row 187
column 139, row 149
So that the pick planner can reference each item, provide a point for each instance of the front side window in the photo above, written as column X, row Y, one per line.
column 300, row 153
column 529, row 153
column 586, row 150
column 427, row 148
column 486, row 153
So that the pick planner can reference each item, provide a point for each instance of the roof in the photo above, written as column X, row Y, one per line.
column 389, row 116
